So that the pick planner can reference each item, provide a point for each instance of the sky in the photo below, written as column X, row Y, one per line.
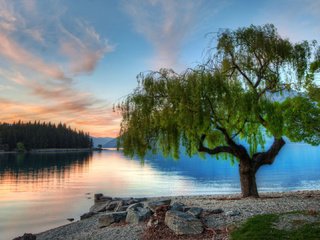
column 70, row 60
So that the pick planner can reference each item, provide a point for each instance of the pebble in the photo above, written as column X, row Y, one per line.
column 268, row 203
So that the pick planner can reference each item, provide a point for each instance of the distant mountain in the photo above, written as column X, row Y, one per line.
column 100, row 140
column 111, row 144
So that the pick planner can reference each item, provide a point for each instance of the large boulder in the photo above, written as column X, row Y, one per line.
column 121, row 208
column 183, row 223
column 137, row 214
column 98, row 197
column 216, row 211
column 99, row 206
column 153, row 205
column 178, row 206
column 135, row 206
column 109, row 218
column 195, row 211
column 114, row 205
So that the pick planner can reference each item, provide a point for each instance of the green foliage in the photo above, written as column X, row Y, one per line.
column 257, row 227
column 301, row 120
column 314, row 93
column 262, row 227
column 226, row 100
column 42, row 135
column 20, row 147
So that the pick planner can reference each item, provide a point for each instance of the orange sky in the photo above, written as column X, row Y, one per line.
column 72, row 61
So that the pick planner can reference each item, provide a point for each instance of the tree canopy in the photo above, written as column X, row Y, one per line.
column 253, row 86
column 38, row 135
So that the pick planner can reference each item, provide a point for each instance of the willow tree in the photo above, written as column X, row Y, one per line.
column 228, row 105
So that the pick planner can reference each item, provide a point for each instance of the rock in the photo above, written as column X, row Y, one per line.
column 216, row 211
column 141, row 199
column 70, row 219
column 130, row 201
column 119, row 199
column 121, row 208
column 152, row 222
column 233, row 213
column 155, row 204
column 105, row 198
column 183, row 223
column 109, row 218
column 195, row 211
column 26, row 236
column 138, row 214
column 135, row 206
column 87, row 215
column 185, row 209
column 98, row 197
column 99, row 207
column 113, row 205
column 177, row 206
column 136, row 200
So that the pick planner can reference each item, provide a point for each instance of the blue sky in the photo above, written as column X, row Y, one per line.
column 71, row 60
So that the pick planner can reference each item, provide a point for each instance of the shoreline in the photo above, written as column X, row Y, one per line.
column 243, row 208
column 50, row 150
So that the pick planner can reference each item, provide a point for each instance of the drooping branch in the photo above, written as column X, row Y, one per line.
column 268, row 157
column 216, row 150
column 228, row 139
column 232, row 147
column 240, row 130
column 242, row 73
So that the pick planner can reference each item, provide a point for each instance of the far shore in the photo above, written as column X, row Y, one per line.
column 50, row 150
column 233, row 210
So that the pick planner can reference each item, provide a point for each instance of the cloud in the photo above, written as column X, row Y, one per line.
column 83, row 52
column 42, row 51
column 60, row 102
column 18, row 55
column 70, row 40
column 167, row 23
column 296, row 19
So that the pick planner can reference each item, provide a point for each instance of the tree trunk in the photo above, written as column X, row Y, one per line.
column 248, row 179
column 248, row 165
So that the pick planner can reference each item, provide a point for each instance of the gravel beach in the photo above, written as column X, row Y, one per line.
column 235, row 211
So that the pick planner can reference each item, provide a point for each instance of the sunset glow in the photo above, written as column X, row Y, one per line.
column 71, row 61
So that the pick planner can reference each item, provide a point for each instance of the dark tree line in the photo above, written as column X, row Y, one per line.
column 39, row 135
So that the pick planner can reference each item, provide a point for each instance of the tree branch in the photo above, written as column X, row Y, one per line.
column 216, row 150
column 241, row 72
column 268, row 157
column 240, row 130
column 238, row 150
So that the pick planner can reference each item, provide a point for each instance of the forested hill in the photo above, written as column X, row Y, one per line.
column 39, row 135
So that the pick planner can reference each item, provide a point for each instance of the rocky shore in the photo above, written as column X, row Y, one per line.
column 184, row 217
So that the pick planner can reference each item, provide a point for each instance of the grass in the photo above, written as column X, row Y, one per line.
column 261, row 227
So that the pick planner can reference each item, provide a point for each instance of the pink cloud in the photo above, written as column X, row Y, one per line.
column 63, row 51
column 98, row 120
column 83, row 52
column 13, row 51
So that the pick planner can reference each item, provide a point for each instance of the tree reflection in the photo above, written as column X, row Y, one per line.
column 39, row 166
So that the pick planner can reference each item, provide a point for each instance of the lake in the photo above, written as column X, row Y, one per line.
column 40, row 191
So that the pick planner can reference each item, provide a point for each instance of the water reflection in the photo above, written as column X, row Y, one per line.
column 40, row 191
column 36, row 164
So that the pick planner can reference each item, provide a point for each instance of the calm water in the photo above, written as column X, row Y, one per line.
column 41, row 191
